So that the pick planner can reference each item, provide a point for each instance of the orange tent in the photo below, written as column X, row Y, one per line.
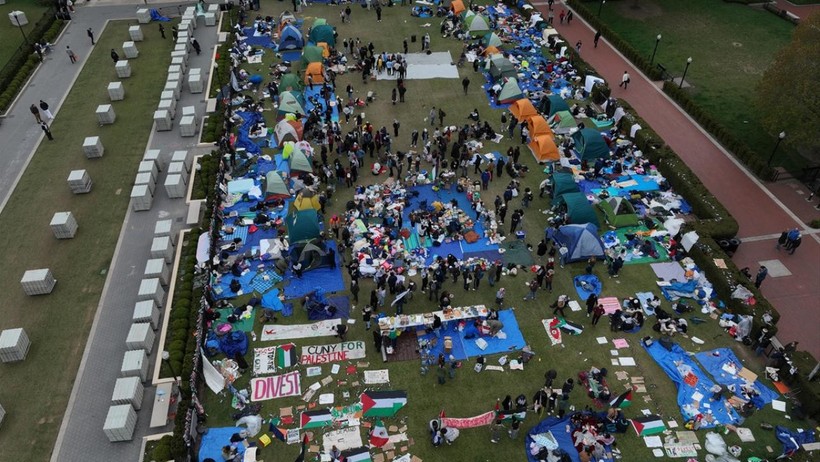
column 543, row 148
column 537, row 125
column 316, row 72
column 457, row 7
column 491, row 50
column 523, row 109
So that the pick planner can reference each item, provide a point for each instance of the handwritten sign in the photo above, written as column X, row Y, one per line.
column 469, row 422
column 322, row 354
column 293, row 436
column 276, row 386
column 264, row 360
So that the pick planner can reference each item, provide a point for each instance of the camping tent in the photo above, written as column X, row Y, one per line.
column 288, row 130
column 286, row 18
column 290, row 82
column 322, row 33
column 537, row 125
column 316, row 72
column 500, row 67
column 491, row 50
column 312, row 254
column 311, row 54
column 275, row 187
column 589, row 144
column 619, row 212
column 510, row 91
column 325, row 49
column 457, row 7
column 582, row 241
column 579, row 210
column 319, row 22
column 299, row 162
column 303, row 225
column 562, row 183
column 477, row 25
column 491, row 39
column 543, row 148
column 290, row 102
column 552, row 104
column 307, row 200
column 562, row 122
column 523, row 109
column 291, row 38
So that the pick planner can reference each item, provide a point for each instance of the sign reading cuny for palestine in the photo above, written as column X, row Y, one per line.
column 321, row 354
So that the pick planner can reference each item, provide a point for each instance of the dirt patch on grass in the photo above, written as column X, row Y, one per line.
column 637, row 9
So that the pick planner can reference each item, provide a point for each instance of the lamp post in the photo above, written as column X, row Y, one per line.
column 657, row 42
column 780, row 138
column 165, row 358
column 17, row 20
column 688, row 62
column 600, row 7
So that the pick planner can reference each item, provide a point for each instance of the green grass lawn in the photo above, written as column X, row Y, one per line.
column 10, row 35
column 35, row 392
column 730, row 44
column 470, row 393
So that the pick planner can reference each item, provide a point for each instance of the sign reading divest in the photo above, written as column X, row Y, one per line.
column 277, row 386
column 321, row 354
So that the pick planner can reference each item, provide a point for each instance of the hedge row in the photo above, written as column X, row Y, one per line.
column 23, row 64
column 216, row 120
column 638, row 58
column 740, row 149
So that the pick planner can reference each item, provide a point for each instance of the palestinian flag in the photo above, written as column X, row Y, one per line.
column 279, row 433
column 286, row 356
column 361, row 454
column 378, row 435
column 382, row 403
column 623, row 400
column 648, row 425
column 507, row 416
column 316, row 419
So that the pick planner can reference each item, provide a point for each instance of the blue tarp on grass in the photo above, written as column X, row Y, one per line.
column 243, row 140
column 342, row 304
column 682, row 368
column 586, row 284
column 326, row 278
column 214, row 440
column 558, row 429
column 464, row 348
column 713, row 361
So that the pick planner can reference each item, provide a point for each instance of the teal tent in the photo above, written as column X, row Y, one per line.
column 299, row 162
column 562, row 183
column 323, row 33
column 290, row 82
column 555, row 104
column 589, row 144
column 303, row 225
column 579, row 210
column 312, row 54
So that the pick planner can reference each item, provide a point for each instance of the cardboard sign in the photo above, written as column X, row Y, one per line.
column 264, row 360
column 276, row 386
column 322, row 354
column 293, row 436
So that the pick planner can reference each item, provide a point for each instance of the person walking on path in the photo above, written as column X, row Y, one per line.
column 569, row 17
column 90, row 35
column 114, row 56
column 782, row 240
column 761, row 276
column 561, row 17
column 625, row 79
column 465, row 84
column 578, row 47
column 46, row 112
column 71, row 56
column 794, row 241
column 162, row 31
column 45, row 128
column 196, row 46
column 36, row 112
column 597, row 37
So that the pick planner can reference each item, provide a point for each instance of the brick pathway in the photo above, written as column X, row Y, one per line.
column 761, row 212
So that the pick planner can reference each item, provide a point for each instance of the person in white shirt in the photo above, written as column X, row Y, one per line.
column 624, row 80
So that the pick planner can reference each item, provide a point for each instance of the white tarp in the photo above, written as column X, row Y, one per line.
column 437, row 65
column 213, row 378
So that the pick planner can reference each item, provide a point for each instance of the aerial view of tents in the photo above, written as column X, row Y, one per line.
column 275, row 187
column 552, row 104
column 500, row 67
column 491, row 40
column 311, row 54
column 537, row 125
column 290, row 102
column 477, row 25
column 290, row 82
column 322, row 33
column 303, row 225
column 579, row 210
column 523, row 110
column 290, row 38
column 562, row 122
column 457, row 7
column 543, row 148
column 299, row 162
column 589, row 144
column 582, row 241
column 562, row 183
column 287, row 130
column 619, row 212
column 510, row 91
column 314, row 72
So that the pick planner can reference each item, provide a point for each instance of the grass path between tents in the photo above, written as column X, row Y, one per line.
column 36, row 391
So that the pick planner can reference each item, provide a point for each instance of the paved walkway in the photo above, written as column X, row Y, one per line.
column 81, row 436
column 759, row 210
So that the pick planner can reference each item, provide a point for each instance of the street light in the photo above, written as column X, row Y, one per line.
column 688, row 62
column 165, row 358
column 17, row 20
column 600, row 7
column 780, row 138
column 657, row 42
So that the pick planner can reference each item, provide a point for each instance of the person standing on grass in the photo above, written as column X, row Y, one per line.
column 114, row 56
column 624, row 80
column 465, row 84
column 533, row 286
column 433, row 114
column 36, row 112
column 162, row 31
column 90, row 35
column 592, row 303
column 597, row 313
column 597, row 37
column 45, row 128
column 71, row 56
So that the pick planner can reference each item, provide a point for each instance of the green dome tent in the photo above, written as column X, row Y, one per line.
column 619, row 212
column 554, row 104
column 477, row 25
column 291, row 102
column 322, row 33
column 491, row 40
column 299, row 162
column 510, row 92
column 311, row 54
column 589, row 144
column 562, row 183
column 275, row 187
column 319, row 22
column 562, row 122
column 303, row 225
column 500, row 67
column 579, row 210
column 290, row 82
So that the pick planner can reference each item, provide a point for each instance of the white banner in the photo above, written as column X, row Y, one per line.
column 276, row 386
column 321, row 354
column 264, row 360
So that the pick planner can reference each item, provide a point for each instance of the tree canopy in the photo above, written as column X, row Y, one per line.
column 788, row 96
